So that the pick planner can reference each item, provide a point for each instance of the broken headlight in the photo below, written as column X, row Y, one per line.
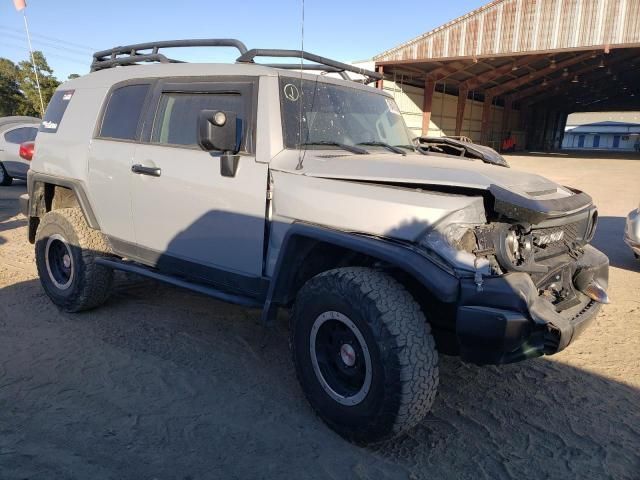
column 514, row 249
column 457, row 244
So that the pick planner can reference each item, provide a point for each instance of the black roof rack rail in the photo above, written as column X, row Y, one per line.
column 150, row 52
column 130, row 54
column 321, row 63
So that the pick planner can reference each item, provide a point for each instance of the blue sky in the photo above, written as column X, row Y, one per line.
column 68, row 31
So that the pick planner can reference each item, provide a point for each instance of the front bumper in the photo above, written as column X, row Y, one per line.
column 632, row 231
column 508, row 321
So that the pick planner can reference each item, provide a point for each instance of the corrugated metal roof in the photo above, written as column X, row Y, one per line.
column 505, row 27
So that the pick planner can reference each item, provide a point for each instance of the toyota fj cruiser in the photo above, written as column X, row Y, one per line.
column 273, row 188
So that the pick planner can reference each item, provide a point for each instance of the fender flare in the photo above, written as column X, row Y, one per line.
column 36, row 183
column 441, row 283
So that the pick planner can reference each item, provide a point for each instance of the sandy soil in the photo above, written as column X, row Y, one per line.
column 161, row 383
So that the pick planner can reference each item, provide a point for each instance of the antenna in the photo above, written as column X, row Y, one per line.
column 300, row 151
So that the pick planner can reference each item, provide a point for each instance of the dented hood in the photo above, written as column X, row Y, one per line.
column 518, row 194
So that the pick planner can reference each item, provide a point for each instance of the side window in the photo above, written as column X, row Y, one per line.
column 176, row 121
column 19, row 135
column 55, row 110
column 123, row 111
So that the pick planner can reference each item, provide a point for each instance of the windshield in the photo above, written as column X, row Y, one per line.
column 334, row 114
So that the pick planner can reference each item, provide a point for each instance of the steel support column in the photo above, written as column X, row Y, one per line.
column 486, row 119
column 429, row 89
column 379, row 83
column 506, row 117
column 463, row 93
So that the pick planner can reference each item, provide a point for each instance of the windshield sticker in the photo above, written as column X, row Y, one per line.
column 291, row 92
column 67, row 95
column 393, row 106
column 50, row 125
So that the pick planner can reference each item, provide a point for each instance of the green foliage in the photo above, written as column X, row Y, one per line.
column 18, row 88
column 10, row 95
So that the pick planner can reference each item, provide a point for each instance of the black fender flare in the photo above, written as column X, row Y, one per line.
column 36, row 183
column 441, row 283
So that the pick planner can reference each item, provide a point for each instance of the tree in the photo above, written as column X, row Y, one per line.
column 10, row 95
column 72, row 76
column 28, row 86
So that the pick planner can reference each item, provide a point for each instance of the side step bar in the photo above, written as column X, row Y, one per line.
column 179, row 282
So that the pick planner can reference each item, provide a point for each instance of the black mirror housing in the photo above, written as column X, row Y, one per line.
column 219, row 131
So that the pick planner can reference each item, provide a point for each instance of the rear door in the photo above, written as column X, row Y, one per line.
column 12, row 138
column 110, row 158
column 188, row 216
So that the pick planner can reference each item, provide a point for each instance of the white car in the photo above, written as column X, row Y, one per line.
column 632, row 231
column 16, row 133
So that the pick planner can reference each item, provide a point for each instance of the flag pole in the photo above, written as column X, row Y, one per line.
column 33, row 63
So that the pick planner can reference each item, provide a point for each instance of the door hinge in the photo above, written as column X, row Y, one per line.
column 269, row 195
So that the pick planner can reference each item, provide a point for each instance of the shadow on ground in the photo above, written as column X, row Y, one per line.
column 609, row 239
column 10, row 207
column 163, row 383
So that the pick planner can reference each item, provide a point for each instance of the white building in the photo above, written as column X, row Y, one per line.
column 602, row 136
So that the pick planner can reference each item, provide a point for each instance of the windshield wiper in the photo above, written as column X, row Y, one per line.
column 385, row 145
column 408, row 147
column 344, row 146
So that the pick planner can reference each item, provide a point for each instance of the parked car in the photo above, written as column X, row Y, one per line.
column 272, row 188
column 632, row 231
column 14, row 131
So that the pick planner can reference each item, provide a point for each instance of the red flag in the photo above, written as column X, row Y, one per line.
column 20, row 4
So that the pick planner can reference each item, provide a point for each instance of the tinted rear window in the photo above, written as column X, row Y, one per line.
column 122, row 115
column 20, row 135
column 55, row 111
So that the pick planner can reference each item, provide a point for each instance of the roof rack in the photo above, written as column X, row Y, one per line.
column 131, row 54
column 321, row 63
column 135, row 54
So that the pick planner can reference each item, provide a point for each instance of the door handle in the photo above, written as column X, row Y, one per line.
column 142, row 170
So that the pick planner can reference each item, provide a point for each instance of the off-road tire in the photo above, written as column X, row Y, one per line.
column 90, row 285
column 404, row 360
column 5, row 178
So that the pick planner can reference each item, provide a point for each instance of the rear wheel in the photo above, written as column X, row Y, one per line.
column 5, row 178
column 66, row 250
column 363, row 353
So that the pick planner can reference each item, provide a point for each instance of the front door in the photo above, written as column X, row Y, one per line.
column 188, row 217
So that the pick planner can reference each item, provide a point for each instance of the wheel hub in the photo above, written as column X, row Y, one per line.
column 340, row 358
column 348, row 355
column 59, row 261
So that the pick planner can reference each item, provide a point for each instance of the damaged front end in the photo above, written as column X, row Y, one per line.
column 530, row 281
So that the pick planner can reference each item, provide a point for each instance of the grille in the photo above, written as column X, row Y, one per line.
column 554, row 240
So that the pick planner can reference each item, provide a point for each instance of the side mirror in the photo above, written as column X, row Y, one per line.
column 219, row 131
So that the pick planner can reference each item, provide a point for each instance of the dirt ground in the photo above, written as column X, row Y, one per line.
column 161, row 383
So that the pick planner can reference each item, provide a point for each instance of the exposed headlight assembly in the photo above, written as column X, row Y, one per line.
column 514, row 249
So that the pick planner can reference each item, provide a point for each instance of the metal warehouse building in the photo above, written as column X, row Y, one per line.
column 517, row 68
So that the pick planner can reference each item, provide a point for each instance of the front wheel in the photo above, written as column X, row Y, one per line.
column 364, row 354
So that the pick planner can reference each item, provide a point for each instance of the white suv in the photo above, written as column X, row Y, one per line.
column 271, row 188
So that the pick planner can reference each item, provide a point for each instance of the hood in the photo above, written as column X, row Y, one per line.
column 528, row 192
column 458, row 147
